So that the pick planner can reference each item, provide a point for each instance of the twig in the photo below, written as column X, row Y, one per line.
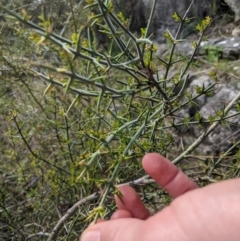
column 205, row 134
column 207, row 179
column 223, row 156
column 41, row 234
column 69, row 17
column 138, row 182
column 14, row 117
column 70, row 213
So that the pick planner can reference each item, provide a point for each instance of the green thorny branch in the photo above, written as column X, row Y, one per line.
column 133, row 65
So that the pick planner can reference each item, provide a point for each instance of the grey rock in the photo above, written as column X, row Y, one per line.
column 226, row 133
column 139, row 10
column 223, row 48
column 125, row 7
column 223, row 95
column 235, row 6
column 162, row 18
column 228, row 47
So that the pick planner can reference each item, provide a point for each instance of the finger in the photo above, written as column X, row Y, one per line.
column 121, row 214
column 208, row 214
column 115, row 230
column 131, row 202
column 167, row 175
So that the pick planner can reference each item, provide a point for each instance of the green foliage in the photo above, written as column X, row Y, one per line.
column 77, row 116
column 214, row 53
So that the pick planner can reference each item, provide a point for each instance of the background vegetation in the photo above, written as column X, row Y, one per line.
column 79, row 109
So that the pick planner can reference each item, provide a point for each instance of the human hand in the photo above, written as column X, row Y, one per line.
column 211, row 213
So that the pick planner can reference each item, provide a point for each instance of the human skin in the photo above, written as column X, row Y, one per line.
column 211, row 213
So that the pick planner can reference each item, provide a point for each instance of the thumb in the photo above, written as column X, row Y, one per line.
column 123, row 229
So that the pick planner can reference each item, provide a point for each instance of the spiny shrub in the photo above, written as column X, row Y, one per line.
column 94, row 110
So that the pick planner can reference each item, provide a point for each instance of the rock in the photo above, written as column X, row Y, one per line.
column 139, row 10
column 125, row 7
column 162, row 18
column 226, row 133
column 235, row 6
column 236, row 31
column 226, row 48
column 222, row 48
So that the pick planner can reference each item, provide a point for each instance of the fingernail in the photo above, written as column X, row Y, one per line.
column 91, row 236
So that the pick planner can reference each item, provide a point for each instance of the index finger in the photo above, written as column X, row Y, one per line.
column 167, row 175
